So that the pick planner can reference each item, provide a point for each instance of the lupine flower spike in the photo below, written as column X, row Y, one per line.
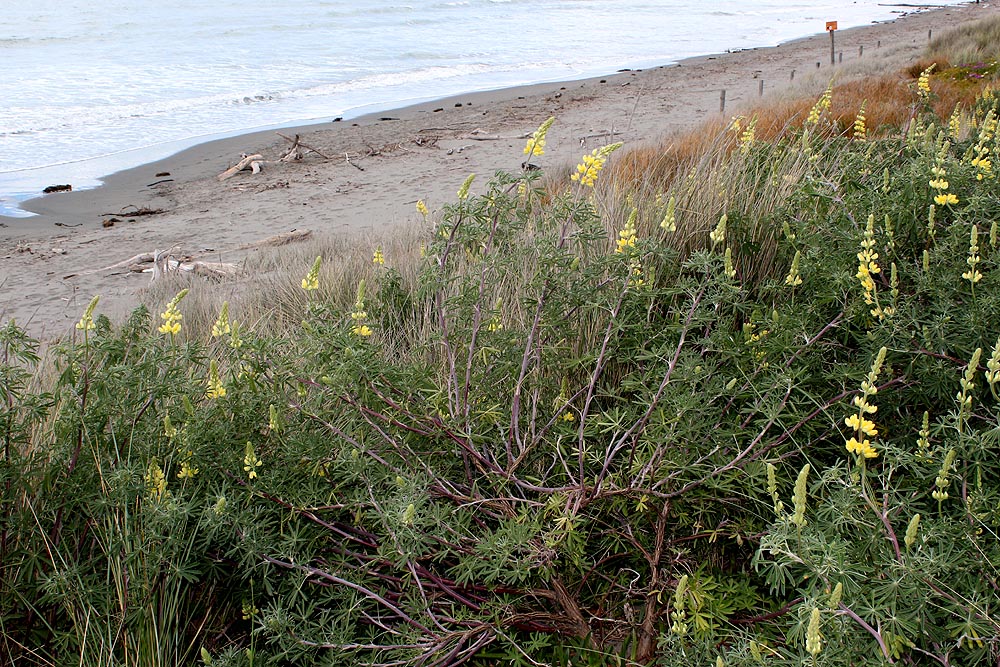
column 591, row 165
column 924, row 82
column 859, row 423
column 814, row 640
column 311, row 281
column 215, row 387
column 973, row 275
column 718, row 235
column 156, row 482
column 868, row 267
column 358, row 315
column 86, row 322
column 222, row 326
column 793, row 278
column 728, row 266
column 993, row 368
column 669, row 222
column 172, row 315
column 860, row 129
column 964, row 397
column 250, row 461
column 911, row 531
column 626, row 237
column 463, row 192
column 536, row 142
column 799, row 497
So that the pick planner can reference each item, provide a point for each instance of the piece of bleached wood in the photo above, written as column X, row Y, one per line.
column 244, row 163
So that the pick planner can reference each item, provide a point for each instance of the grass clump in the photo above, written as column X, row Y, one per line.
column 735, row 406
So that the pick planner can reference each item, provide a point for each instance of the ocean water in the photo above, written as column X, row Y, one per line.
column 89, row 88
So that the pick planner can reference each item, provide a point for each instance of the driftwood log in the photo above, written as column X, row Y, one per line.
column 252, row 162
column 159, row 263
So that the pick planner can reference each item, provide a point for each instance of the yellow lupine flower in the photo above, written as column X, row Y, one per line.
column 422, row 208
column 377, row 257
column 718, row 235
column 172, row 315
column 359, row 315
column 311, row 281
column 793, row 278
column 947, row 198
column 536, row 142
column 250, row 461
column 814, row 639
column 222, row 327
column 215, row 387
column 188, row 471
column 861, row 424
column 973, row 275
column 924, row 81
column 156, row 481
column 863, row 448
column 463, row 192
column 669, row 222
column 591, row 165
column 858, row 444
column 860, row 129
column 86, row 322
column 822, row 104
column 626, row 237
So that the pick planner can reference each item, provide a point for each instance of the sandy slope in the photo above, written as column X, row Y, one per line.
column 47, row 263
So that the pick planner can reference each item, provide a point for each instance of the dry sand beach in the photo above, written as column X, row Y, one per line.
column 379, row 165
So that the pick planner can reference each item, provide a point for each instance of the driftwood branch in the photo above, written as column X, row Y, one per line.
column 162, row 262
column 296, row 144
column 252, row 162
column 278, row 239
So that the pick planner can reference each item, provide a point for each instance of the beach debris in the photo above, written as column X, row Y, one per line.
column 135, row 212
column 58, row 188
column 295, row 152
column 109, row 222
column 63, row 224
column 347, row 158
column 281, row 239
column 162, row 173
column 160, row 182
column 160, row 263
column 58, row 251
column 21, row 248
column 251, row 162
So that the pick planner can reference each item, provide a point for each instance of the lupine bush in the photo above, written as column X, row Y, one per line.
column 675, row 427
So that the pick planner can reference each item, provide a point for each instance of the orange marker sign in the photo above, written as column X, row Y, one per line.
column 831, row 26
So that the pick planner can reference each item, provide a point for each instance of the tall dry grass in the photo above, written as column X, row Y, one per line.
column 971, row 43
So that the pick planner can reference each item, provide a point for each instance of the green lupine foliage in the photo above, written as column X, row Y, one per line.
column 523, row 457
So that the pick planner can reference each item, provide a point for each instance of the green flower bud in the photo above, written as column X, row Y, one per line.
column 911, row 531
column 799, row 497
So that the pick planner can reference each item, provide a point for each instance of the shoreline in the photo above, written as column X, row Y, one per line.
column 183, row 158
column 384, row 161
column 83, row 173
